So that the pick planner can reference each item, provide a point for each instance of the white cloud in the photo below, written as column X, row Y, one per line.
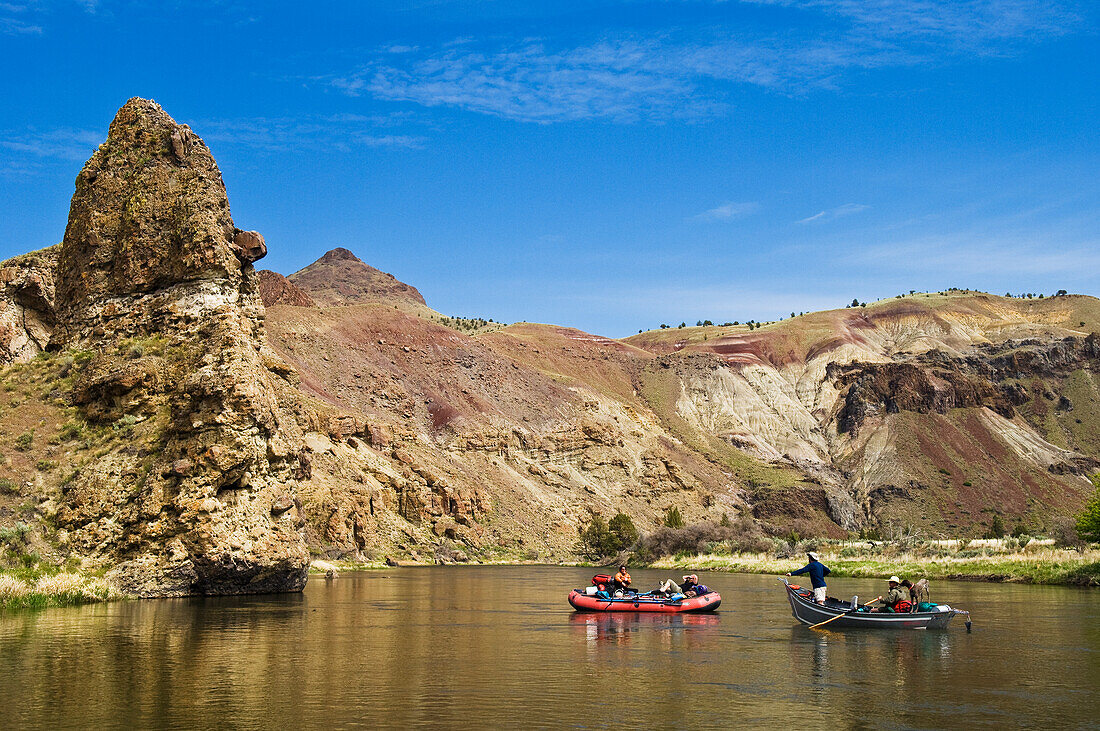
column 833, row 213
column 969, row 23
column 966, row 254
column 62, row 143
column 340, row 132
column 14, row 20
column 684, row 74
column 728, row 211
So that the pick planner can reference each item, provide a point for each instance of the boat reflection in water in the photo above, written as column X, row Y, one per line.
column 620, row 628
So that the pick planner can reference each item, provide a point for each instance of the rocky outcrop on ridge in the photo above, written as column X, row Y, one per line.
column 341, row 278
column 26, row 304
column 275, row 289
column 157, row 298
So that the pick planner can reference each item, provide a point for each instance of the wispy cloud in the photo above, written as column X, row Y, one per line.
column 337, row 132
column 688, row 74
column 966, row 254
column 975, row 24
column 623, row 81
column 16, row 19
column 728, row 211
column 833, row 213
column 62, row 143
column 649, row 306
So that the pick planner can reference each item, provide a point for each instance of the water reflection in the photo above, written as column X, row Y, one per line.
column 458, row 647
column 619, row 627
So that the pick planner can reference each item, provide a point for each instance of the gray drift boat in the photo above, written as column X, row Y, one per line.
column 843, row 615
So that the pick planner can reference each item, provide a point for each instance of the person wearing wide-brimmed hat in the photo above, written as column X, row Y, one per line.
column 893, row 597
column 817, row 571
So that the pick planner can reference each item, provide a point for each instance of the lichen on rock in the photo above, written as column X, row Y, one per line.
column 156, row 280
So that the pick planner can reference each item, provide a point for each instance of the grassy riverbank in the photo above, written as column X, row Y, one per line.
column 992, row 561
column 31, row 589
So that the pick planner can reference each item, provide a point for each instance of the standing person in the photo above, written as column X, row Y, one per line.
column 817, row 571
column 621, row 582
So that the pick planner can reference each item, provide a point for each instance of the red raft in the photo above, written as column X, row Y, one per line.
column 640, row 603
column 586, row 600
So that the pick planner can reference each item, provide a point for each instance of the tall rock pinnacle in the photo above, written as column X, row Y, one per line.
column 155, row 281
column 150, row 211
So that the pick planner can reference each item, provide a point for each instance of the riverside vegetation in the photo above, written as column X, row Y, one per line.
column 1068, row 556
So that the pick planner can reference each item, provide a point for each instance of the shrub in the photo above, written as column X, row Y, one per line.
column 597, row 540
column 24, row 441
column 996, row 527
column 704, row 537
column 45, row 465
column 125, row 425
column 72, row 430
column 673, row 518
column 1064, row 533
column 8, row 487
column 622, row 531
column 15, row 536
column 1087, row 523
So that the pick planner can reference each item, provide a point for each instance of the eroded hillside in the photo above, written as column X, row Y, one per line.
column 189, row 425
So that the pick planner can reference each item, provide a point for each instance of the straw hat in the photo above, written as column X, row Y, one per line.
column 894, row 580
column 812, row 555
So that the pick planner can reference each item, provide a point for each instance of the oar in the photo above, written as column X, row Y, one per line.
column 842, row 614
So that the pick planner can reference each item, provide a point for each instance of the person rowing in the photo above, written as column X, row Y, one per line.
column 896, row 599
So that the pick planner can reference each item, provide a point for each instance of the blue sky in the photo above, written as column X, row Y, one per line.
column 607, row 164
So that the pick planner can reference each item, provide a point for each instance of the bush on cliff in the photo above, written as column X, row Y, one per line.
column 1088, row 520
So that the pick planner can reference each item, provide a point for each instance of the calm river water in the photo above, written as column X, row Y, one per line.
column 461, row 647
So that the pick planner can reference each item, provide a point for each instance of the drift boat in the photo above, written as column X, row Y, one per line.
column 583, row 602
column 807, row 611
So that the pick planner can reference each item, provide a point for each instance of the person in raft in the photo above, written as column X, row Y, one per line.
column 691, row 587
column 621, row 582
column 817, row 571
column 896, row 599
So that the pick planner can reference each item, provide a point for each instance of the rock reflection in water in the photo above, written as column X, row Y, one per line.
column 457, row 647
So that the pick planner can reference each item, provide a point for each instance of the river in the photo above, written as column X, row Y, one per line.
column 460, row 647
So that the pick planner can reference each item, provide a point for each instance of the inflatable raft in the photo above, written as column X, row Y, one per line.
column 583, row 602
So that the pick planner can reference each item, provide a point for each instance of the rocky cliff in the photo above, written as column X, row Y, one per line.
column 930, row 410
column 156, row 309
column 192, row 426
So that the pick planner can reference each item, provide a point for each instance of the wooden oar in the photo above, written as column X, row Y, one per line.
column 842, row 614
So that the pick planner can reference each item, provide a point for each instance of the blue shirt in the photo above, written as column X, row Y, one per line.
column 817, row 571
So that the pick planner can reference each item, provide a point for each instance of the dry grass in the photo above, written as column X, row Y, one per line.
column 1034, row 564
column 54, row 590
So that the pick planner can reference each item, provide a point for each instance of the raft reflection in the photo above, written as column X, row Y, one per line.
column 498, row 646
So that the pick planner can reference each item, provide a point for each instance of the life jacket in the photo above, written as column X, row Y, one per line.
column 903, row 606
column 601, row 581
